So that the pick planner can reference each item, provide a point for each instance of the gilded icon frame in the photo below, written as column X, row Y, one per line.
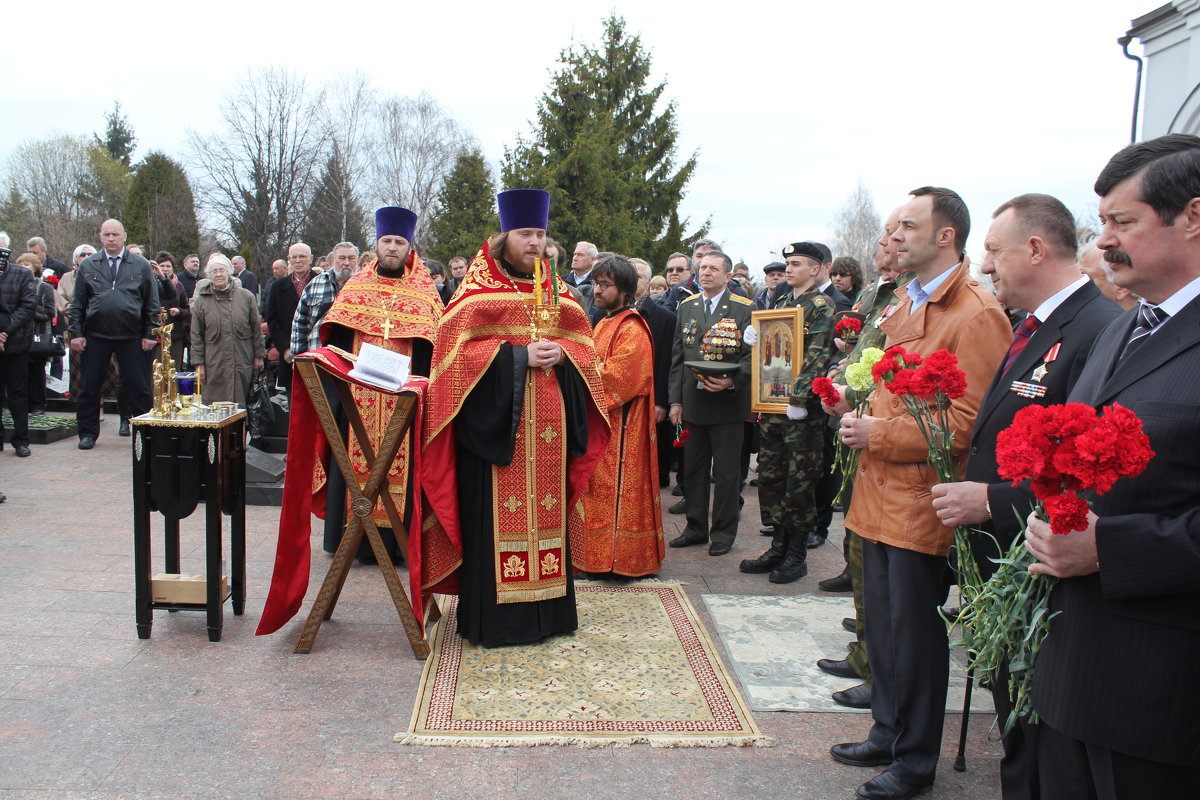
column 780, row 340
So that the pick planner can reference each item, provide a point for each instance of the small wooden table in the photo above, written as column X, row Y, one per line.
column 362, row 501
column 177, row 462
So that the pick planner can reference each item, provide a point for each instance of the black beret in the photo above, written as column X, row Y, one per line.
column 808, row 249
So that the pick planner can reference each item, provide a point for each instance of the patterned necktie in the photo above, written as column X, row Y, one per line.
column 1021, row 338
column 1149, row 318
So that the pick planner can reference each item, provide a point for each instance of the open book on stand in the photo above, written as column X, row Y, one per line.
column 381, row 367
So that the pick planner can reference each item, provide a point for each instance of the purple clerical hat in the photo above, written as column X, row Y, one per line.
column 395, row 221
column 524, row 208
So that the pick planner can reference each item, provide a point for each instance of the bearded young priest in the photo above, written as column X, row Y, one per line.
column 622, row 511
column 515, row 421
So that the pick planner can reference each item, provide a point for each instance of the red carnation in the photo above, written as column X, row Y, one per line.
column 848, row 326
column 1067, row 512
column 824, row 388
column 681, row 435
column 884, row 367
column 895, row 351
column 901, row 383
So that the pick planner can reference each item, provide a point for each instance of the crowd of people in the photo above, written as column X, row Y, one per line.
column 556, row 406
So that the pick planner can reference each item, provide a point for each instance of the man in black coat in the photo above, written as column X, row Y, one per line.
column 1030, row 255
column 18, row 299
column 662, row 329
column 113, row 311
column 1115, row 686
column 37, row 246
column 246, row 276
column 282, row 300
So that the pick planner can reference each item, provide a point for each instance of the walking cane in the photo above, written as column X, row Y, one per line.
column 960, row 761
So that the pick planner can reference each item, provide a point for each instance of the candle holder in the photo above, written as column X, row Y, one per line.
column 188, row 391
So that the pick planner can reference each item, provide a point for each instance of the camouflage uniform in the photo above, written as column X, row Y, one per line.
column 875, row 302
column 790, row 458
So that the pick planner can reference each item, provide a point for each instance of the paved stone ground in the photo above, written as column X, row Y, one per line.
column 87, row 710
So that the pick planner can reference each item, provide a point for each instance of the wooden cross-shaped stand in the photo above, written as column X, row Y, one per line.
column 362, row 501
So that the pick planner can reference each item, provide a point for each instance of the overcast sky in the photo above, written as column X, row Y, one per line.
column 788, row 105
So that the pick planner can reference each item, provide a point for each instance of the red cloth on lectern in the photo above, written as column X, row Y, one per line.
column 306, row 447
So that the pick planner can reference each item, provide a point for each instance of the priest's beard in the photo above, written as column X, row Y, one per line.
column 391, row 267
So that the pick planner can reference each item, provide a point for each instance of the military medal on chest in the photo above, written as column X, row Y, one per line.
column 722, row 339
column 1047, row 360
column 688, row 333
column 1033, row 388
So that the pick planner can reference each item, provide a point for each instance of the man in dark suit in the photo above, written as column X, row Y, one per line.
column 580, row 275
column 825, row 283
column 1030, row 254
column 112, row 313
column 662, row 331
column 1115, row 687
column 282, row 300
column 247, row 277
column 712, row 327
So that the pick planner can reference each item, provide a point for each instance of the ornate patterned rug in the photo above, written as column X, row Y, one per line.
column 775, row 641
column 640, row 669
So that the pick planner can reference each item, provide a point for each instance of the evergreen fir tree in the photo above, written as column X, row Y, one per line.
column 161, row 210
column 605, row 154
column 334, row 215
column 465, row 211
column 118, row 138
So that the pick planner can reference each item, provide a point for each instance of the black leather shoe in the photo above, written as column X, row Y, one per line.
column 677, row 491
column 87, row 442
column 840, row 668
column 815, row 540
column 718, row 549
column 686, row 541
column 861, row 754
column 850, row 624
column 840, row 583
column 22, row 450
column 768, row 530
column 888, row 786
column 124, row 429
column 677, row 508
column 854, row 697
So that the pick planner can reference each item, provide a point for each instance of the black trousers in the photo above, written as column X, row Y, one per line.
column 715, row 450
column 135, row 374
column 14, row 374
column 909, row 656
column 1073, row 770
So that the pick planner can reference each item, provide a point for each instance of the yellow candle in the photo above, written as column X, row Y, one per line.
column 537, row 281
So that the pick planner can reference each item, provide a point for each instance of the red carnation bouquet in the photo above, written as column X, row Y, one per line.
column 926, row 385
column 848, row 329
column 681, row 435
column 824, row 389
column 1068, row 453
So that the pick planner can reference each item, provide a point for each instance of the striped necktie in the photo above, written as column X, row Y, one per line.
column 1149, row 318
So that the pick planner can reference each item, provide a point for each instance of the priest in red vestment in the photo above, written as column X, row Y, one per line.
column 395, row 305
column 622, row 512
column 514, row 428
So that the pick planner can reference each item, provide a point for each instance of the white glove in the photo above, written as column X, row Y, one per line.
column 797, row 412
column 750, row 336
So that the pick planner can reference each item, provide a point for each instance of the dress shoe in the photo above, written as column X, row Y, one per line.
column 686, row 541
column 677, row 491
column 850, row 624
column 22, row 450
column 815, row 540
column 677, row 507
column 840, row 668
column 855, row 697
column 889, row 786
column 768, row 530
column 123, row 430
column 718, row 549
column 841, row 583
column 87, row 442
column 861, row 754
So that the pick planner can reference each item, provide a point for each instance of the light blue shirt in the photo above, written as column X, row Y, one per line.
column 919, row 294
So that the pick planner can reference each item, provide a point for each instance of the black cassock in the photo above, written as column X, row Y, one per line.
column 485, row 432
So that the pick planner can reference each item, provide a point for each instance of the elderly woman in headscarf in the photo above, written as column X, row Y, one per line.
column 227, row 348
